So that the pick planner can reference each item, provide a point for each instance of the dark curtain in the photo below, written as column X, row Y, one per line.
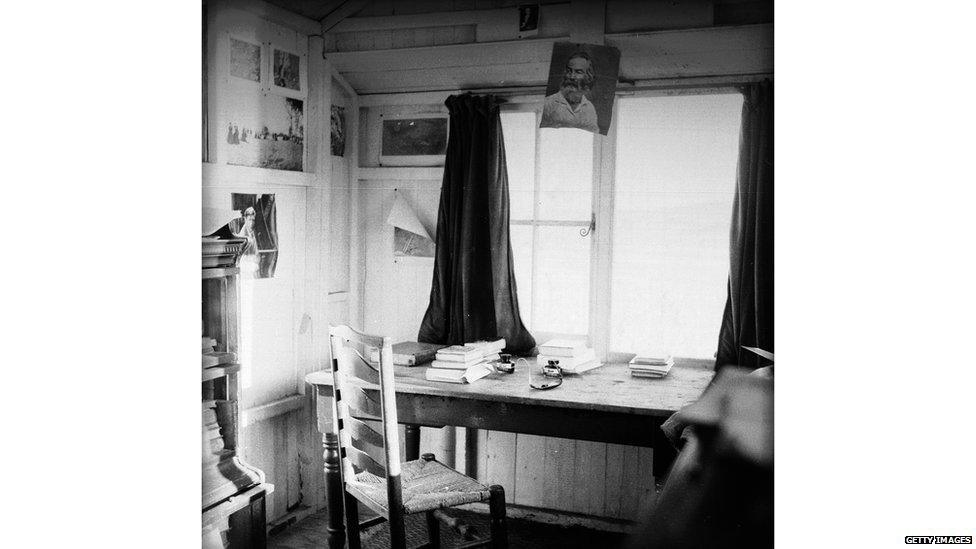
column 473, row 294
column 748, row 317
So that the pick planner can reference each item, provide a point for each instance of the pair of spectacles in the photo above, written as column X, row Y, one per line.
column 551, row 376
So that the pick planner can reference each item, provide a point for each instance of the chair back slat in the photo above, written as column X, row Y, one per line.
column 363, row 436
column 355, row 379
column 361, row 461
column 359, row 404
column 372, row 446
column 354, row 366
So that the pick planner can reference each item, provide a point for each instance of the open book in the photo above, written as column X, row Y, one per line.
column 470, row 375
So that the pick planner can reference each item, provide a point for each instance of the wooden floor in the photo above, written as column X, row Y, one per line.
column 310, row 533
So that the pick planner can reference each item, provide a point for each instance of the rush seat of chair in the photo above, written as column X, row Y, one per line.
column 427, row 485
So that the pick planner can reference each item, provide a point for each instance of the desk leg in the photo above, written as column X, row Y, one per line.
column 471, row 452
column 411, row 435
column 334, row 491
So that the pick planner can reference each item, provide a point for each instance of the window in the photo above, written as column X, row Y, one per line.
column 673, row 188
column 550, row 174
column 672, row 163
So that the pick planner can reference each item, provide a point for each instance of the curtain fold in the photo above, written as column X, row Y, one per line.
column 748, row 316
column 473, row 295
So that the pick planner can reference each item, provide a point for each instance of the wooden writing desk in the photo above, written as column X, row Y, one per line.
column 602, row 405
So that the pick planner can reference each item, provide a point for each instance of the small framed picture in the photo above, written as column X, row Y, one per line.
column 413, row 139
column 528, row 20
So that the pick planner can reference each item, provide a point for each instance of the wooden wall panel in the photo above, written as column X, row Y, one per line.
column 746, row 49
column 500, row 456
column 457, row 56
column 589, row 479
column 560, row 460
column 441, row 78
column 530, row 470
column 340, row 224
column 641, row 15
column 712, row 51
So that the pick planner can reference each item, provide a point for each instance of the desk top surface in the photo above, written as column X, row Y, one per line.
column 608, row 388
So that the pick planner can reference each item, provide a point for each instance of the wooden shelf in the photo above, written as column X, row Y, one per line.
column 220, row 272
column 220, row 371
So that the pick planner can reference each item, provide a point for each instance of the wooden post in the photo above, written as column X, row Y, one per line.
column 471, row 452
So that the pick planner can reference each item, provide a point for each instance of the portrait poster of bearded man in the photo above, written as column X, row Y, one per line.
column 581, row 86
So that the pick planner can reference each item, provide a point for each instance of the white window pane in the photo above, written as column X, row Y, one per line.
column 521, row 238
column 562, row 283
column 674, row 186
column 518, row 129
column 566, row 174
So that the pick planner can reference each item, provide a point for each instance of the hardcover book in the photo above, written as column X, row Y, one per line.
column 410, row 353
column 562, row 347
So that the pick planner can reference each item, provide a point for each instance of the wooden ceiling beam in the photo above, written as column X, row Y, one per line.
column 346, row 9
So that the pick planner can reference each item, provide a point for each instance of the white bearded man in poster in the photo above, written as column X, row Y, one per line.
column 569, row 107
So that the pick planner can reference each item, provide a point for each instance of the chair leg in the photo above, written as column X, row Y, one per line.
column 496, row 507
column 352, row 521
column 433, row 530
column 398, row 531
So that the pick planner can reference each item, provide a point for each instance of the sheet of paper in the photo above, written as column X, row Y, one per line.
column 403, row 216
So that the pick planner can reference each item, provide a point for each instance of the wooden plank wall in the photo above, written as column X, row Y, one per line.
column 406, row 51
column 312, row 282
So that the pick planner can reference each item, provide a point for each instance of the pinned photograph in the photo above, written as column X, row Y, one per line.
column 286, row 70
column 258, row 224
column 245, row 60
column 338, row 137
column 582, row 82
column 267, row 132
column 413, row 139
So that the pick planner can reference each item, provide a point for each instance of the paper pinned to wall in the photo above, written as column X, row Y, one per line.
column 410, row 237
column 403, row 216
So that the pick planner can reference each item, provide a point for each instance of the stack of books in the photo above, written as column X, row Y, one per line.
column 464, row 363
column 651, row 365
column 573, row 355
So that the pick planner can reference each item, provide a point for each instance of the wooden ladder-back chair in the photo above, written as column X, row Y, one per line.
column 369, row 449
